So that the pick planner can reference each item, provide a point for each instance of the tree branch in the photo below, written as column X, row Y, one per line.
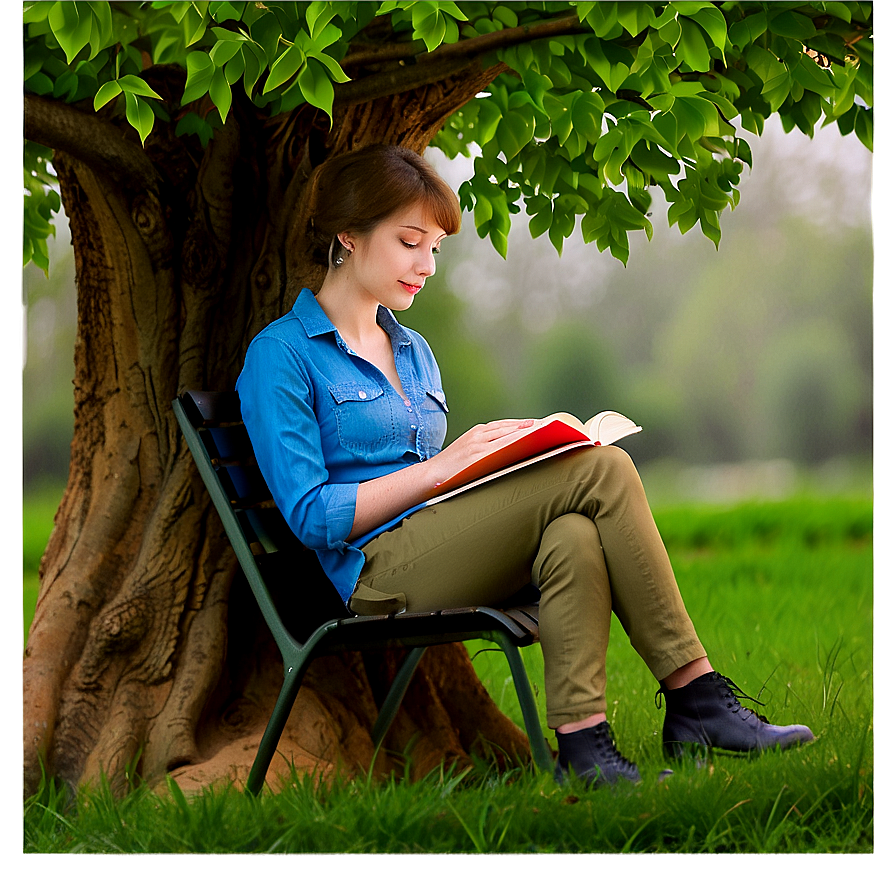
column 88, row 138
column 416, row 70
column 508, row 37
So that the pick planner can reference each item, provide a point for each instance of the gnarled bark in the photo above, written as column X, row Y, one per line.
column 145, row 653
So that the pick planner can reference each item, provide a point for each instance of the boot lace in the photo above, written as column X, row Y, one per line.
column 609, row 753
column 733, row 695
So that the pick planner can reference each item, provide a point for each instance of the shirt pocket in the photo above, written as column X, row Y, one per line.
column 364, row 421
column 434, row 423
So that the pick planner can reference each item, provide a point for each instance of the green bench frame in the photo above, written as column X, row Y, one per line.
column 211, row 423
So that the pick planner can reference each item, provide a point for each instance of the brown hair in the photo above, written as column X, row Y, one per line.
column 359, row 189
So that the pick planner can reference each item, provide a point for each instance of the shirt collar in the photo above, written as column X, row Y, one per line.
column 316, row 322
column 312, row 316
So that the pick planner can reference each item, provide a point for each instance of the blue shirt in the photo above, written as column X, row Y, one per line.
column 322, row 420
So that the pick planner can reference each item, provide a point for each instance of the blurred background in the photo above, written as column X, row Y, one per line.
column 750, row 367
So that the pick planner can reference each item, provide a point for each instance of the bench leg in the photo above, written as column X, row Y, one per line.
column 292, row 681
column 399, row 687
column 541, row 754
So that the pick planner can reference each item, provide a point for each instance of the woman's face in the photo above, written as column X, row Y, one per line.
column 391, row 263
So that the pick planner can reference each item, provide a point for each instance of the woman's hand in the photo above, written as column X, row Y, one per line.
column 474, row 444
column 380, row 500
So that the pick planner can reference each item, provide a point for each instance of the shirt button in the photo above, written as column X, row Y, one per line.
column 362, row 394
column 413, row 428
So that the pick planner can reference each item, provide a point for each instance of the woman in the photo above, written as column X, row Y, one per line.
column 346, row 413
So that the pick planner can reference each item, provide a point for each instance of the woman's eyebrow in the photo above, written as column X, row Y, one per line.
column 418, row 229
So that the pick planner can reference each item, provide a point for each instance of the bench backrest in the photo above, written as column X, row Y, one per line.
column 292, row 590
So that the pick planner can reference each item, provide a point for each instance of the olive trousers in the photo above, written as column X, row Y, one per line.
column 579, row 528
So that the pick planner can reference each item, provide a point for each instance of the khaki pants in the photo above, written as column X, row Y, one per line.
column 579, row 528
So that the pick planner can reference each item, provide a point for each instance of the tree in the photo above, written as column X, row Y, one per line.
column 182, row 136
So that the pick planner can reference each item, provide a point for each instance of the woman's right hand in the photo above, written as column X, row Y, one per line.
column 475, row 443
column 382, row 499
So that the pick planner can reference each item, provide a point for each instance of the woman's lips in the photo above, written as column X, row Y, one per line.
column 410, row 288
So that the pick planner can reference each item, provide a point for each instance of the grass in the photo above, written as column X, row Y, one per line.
column 782, row 597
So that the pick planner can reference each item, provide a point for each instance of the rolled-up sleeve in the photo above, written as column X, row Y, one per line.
column 277, row 401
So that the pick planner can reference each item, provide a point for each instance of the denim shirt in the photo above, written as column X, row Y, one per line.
column 322, row 420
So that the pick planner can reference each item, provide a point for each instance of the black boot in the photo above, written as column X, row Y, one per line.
column 591, row 755
column 706, row 714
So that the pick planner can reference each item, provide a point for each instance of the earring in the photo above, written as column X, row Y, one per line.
column 337, row 260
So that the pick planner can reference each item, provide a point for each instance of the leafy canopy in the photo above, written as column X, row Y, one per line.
column 597, row 103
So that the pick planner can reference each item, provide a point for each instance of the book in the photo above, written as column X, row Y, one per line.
column 546, row 438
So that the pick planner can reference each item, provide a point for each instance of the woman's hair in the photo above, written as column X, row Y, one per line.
column 357, row 190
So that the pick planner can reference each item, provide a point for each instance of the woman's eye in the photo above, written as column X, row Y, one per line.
column 408, row 245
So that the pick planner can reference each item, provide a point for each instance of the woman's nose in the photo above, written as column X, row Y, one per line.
column 426, row 266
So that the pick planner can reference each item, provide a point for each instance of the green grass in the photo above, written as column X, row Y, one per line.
column 38, row 511
column 782, row 597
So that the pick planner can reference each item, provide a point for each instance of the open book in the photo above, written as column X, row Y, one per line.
column 547, row 437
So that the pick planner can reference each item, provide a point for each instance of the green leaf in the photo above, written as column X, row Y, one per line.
column 220, row 93
column 791, row 24
column 696, row 117
column 652, row 160
column 634, row 17
column 602, row 19
column 107, row 92
column 725, row 106
column 865, row 128
column 191, row 123
column 482, row 214
column 101, row 32
column 777, row 89
column 840, row 10
column 333, row 68
column 70, row 27
column 316, row 86
column 139, row 114
column 133, row 84
column 35, row 12
column 266, row 32
column 318, row 15
column 689, row 7
column 487, row 122
column 506, row 16
column 225, row 10
column 253, row 63
column 200, row 71
column 813, row 77
column 448, row 7
column 692, row 47
column 610, row 62
column 711, row 20
column 223, row 51
column 194, row 23
column 671, row 32
column 235, row 69
column 39, row 83
column 514, row 131
column 285, row 68
column 587, row 116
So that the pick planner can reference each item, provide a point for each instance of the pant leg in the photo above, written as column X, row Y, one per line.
column 480, row 547
column 574, row 618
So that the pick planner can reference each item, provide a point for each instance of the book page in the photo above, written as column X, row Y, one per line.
column 608, row 427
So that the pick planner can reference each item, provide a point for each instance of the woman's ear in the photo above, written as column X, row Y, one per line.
column 347, row 241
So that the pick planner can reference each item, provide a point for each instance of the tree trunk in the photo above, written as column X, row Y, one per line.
column 146, row 655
